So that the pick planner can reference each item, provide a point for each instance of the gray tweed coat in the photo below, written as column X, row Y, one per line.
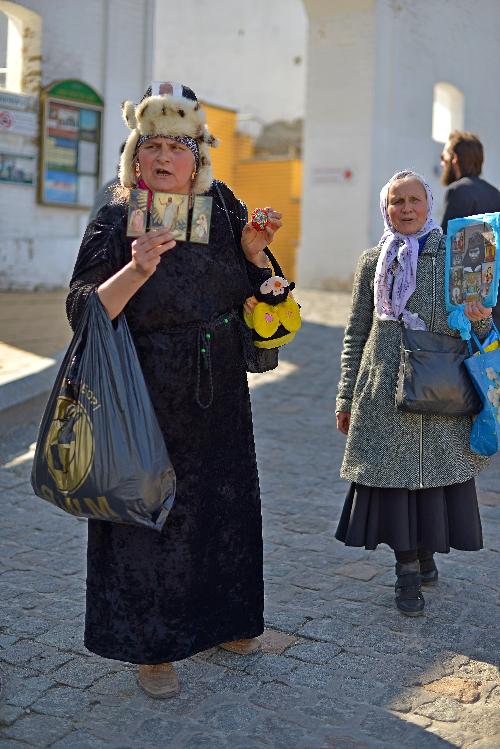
column 387, row 447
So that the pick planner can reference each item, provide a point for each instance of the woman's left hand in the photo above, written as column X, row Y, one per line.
column 253, row 241
column 475, row 311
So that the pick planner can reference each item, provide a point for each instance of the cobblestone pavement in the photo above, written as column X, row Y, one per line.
column 340, row 667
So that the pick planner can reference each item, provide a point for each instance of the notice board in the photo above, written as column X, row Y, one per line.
column 70, row 145
column 18, row 138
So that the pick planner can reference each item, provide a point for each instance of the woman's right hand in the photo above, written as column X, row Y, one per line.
column 343, row 421
column 475, row 311
column 250, row 305
column 148, row 249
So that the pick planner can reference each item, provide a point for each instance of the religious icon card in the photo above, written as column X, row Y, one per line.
column 472, row 286
column 457, row 293
column 455, row 286
column 169, row 210
column 489, row 244
column 487, row 275
column 474, row 250
column 457, row 248
column 472, row 266
column 137, row 213
column 200, row 222
column 456, row 276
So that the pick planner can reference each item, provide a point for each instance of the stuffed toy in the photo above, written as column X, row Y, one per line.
column 276, row 317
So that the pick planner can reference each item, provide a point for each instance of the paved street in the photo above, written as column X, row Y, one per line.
column 340, row 667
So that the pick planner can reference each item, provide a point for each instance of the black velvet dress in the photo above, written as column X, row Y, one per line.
column 156, row 597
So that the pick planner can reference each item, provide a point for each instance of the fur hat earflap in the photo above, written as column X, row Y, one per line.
column 126, row 172
column 168, row 109
column 210, row 139
column 204, row 177
column 128, row 112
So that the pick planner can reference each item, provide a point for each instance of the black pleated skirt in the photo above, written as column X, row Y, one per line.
column 436, row 519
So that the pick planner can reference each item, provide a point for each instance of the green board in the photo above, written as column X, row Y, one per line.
column 70, row 144
column 75, row 90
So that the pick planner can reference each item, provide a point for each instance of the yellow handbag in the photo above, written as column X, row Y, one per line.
column 275, row 318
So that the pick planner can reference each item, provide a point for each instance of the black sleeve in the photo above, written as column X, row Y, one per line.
column 457, row 204
column 238, row 215
column 102, row 253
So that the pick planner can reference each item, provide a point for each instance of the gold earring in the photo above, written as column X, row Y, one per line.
column 137, row 169
column 193, row 176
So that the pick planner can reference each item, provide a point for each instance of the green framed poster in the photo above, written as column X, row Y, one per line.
column 70, row 144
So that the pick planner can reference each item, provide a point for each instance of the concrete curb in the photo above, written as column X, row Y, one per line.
column 24, row 398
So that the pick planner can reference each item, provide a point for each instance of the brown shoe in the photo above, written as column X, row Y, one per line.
column 242, row 647
column 159, row 680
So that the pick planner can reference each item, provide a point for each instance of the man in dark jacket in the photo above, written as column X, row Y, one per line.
column 467, row 193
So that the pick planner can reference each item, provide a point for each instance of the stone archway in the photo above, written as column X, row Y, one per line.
column 24, row 38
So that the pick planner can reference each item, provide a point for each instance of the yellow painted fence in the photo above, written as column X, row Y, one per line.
column 258, row 182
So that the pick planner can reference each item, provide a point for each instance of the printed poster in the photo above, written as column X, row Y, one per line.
column 70, row 164
column 473, row 253
column 17, row 169
column 60, row 187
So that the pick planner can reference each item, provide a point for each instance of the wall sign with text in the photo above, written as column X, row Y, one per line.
column 18, row 138
column 70, row 149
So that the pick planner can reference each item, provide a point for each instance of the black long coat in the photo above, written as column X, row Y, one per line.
column 156, row 597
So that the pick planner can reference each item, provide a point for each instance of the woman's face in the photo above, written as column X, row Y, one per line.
column 407, row 205
column 166, row 166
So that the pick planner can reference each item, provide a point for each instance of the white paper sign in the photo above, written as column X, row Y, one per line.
column 20, row 123
column 87, row 157
column 17, row 101
column 331, row 175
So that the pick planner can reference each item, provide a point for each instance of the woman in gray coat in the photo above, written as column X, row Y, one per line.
column 412, row 475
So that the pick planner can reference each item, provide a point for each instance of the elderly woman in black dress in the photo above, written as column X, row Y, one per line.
column 412, row 475
column 154, row 598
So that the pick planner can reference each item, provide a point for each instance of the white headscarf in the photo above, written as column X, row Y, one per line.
column 396, row 272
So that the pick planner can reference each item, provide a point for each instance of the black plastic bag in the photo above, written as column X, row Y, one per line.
column 100, row 452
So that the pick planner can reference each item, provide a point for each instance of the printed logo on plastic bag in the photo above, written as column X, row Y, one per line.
column 69, row 448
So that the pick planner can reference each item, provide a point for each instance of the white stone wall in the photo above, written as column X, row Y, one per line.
column 248, row 56
column 338, row 143
column 371, row 66
column 377, row 76
column 421, row 44
column 109, row 46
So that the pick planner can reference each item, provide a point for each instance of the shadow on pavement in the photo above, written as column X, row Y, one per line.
column 341, row 668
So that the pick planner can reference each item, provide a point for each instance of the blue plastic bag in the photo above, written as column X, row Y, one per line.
column 472, row 266
column 484, row 371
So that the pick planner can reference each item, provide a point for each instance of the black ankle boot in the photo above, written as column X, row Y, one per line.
column 409, row 598
column 428, row 570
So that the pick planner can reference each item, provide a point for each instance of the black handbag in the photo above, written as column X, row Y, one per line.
column 432, row 375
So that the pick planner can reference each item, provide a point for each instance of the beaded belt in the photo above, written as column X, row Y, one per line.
column 204, row 358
